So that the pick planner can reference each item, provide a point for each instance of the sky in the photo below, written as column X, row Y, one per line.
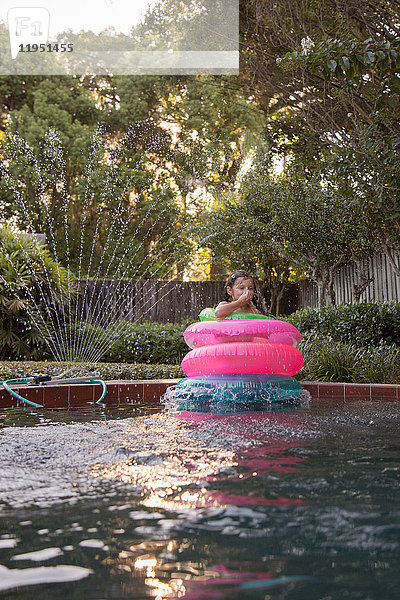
column 94, row 15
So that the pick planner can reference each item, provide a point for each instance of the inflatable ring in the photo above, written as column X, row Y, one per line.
column 208, row 314
column 210, row 333
column 243, row 357
column 233, row 393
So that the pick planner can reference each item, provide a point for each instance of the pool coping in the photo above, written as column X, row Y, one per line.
column 150, row 391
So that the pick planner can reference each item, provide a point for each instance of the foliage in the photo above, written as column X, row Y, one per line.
column 187, row 25
column 162, row 138
column 237, row 231
column 280, row 227
column 33, row 290
column 108, row 371
column 365, row 158
column 159, row 141
column 319, row 82
column 327, row 74
column 352, row 61
column 219, row 124
column 325, row 61
column 149, row 343
column 329, row 360
column 317, row 228
column 368, row 324
column 115, row 222
column 366, row 169
column 326, row 360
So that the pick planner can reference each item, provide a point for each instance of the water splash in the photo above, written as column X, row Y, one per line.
column 82, row 328
column 233, row 394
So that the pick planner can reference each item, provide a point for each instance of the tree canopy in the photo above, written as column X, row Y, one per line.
column 313, row 118
column 132, row 177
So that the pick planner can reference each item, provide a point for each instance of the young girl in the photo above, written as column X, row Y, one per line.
column 239, row 293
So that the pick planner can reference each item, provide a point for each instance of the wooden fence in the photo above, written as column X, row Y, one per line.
column 103, row 302
column 383, row 283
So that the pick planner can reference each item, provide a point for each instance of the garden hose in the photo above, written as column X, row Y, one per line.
column 45, row 379
column 23, row 381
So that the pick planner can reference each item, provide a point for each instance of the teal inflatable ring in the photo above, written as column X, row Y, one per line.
column 208, row 314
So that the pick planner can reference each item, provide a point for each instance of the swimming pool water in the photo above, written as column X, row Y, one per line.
column 287, row 504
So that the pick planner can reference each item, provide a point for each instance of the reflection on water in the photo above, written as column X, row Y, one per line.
column 289, row 504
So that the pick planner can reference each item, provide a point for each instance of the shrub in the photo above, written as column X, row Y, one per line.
column 150, row 343
column 33, row 289
column 377, row 365
column 368, row 324
column 108, row 371
column 327, row 360
column 324, row 360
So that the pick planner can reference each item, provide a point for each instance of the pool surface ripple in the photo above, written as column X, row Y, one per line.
column 293, row 504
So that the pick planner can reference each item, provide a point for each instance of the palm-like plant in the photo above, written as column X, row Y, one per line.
column 35, row 293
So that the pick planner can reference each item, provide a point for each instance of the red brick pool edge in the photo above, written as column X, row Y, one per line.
column 150, row 391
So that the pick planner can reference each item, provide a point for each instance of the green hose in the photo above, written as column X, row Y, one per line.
column 6, row 384
column 104, row 387
column 25, row 381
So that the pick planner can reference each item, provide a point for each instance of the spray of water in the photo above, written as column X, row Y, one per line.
column 79, row 327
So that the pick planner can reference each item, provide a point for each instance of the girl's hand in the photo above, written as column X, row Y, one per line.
column 244, row 299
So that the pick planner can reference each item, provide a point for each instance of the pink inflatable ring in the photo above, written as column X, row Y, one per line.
column 211, row 333
column 243, row 357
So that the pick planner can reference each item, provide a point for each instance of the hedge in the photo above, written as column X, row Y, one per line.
column 364, row 325
column 357, row 343
column 108, row 371
column 327, row 360
column 145, row 343
column 324, row 360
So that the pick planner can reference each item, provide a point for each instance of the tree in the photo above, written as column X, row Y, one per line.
column 327, row 75
column 188, row 25
column 238, row 232
column 327, row 61
column 317, row 229
column 117, row 220
column 284, row 227
column 163, row 139
column 368, row 174
column 35, row 293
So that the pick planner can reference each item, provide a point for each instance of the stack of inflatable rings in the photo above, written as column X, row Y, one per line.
column 246, row 358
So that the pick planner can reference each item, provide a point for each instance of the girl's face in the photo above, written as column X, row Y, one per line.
column 242, row 284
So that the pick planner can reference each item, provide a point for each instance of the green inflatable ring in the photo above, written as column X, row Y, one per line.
column 208, row 314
